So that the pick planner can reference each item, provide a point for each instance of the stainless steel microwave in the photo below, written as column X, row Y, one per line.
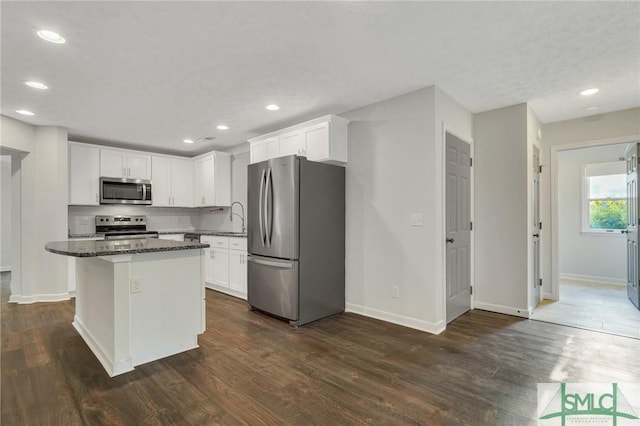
column 125, row 191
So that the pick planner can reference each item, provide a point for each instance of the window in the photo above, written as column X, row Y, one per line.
column 605, row 197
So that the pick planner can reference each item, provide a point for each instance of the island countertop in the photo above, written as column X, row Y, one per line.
column 93, row 248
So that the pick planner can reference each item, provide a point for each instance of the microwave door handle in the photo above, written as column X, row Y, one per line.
column 260, row 208
column 268, row 215
column 144, row 192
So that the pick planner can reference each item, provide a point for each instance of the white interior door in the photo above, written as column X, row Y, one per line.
column 536, row 226
column 631, row 156
column 458, row 226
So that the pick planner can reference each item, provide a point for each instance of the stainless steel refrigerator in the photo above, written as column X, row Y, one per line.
column 296, row 226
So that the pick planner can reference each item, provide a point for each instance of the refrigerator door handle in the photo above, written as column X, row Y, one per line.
column 283, row 265
column 260, row 208
column 267, row 216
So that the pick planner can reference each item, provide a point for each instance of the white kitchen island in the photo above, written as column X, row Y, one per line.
column 137, row 300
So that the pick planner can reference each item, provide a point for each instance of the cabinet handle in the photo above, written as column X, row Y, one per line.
column 124, row 172
column 97, row 198
column 129, row 171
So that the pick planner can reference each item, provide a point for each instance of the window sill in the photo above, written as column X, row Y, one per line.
column 612, row 234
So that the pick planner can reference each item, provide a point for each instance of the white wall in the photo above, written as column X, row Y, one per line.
column 586, row 255
column 394, row 170
column 5, row 213
column 501, row 210
column 619, row 125
column 39, row 176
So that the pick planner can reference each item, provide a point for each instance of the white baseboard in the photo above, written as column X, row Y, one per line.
column 509, row 310
column 429, row 327
column 548, row 296
column 226, row 290
column 5, row 268
column 112, row 368
column 36, row 298
column 594, row 278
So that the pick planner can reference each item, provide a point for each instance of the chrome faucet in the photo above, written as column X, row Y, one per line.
column 231, row 213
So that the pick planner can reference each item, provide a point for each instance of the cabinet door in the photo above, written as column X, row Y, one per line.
column 316, row 142
column 112, row 163
column 272, row 147
column 257, row 152
column 84, row 174
column 238, row 271
column 291, row 143
column 161, row 182
column 220, row 273
column 138, row 166
column 181, row 183
column 204, row 181
column 208, row 260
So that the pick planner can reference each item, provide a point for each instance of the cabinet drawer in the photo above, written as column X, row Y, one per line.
column 236, row 243
column 218, row 242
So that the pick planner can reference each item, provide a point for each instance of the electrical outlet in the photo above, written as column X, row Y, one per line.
column 395, row 291
column 416, row 219
column 136, row 285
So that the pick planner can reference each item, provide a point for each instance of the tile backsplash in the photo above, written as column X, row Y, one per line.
column 82, row 218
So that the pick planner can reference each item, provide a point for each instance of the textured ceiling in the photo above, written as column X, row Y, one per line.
column 149, row 74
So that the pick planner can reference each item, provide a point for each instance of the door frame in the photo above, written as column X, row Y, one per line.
column 443, row 202
column 554, row 291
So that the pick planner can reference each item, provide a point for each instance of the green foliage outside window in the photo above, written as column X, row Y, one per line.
column 608, row 214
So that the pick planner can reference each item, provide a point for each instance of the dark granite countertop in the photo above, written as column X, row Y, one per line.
column 198, row 232
column 94, row 248
column 220, row 233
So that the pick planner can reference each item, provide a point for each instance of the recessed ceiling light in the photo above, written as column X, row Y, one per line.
column 51, row 36
column 222, row 127
column 187, row 141
column 36, row 85
column 24, row 112
column 272, row 107
column 591, row 108
column 589, row 92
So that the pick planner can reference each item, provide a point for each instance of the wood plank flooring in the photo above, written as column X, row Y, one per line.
column 593, row 306
column 347, row 369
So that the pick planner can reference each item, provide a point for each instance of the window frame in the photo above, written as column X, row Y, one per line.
column 585, row 200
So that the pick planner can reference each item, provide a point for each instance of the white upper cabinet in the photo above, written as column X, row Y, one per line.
column 172, row 182
column 212, row 180
column 323, row 139
column 84, row 175
column 291, row 143
column 125, row 164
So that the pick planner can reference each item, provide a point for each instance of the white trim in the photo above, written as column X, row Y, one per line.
column 226, row 290
column 547, row 295
column 509, row 310
column 417, row 324
column 555, row 237
column 443, row 203
column 36, row 298
column 112, row 368
column 5, row 268
column 593, row 278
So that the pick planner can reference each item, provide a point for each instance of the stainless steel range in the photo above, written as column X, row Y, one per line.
column 123, row 227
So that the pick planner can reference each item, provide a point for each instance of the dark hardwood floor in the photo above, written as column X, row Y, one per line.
column 347, row 369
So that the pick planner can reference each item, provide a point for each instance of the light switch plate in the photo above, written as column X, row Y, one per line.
column 416, row 219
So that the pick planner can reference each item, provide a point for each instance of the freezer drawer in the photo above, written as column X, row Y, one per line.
column 272, row 286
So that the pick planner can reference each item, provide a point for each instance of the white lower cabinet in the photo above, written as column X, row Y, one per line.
column 238, row 270
column 226, row 265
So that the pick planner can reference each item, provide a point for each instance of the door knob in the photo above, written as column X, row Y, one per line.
column 450, row 240
column 624, row 231
column 536, row 235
